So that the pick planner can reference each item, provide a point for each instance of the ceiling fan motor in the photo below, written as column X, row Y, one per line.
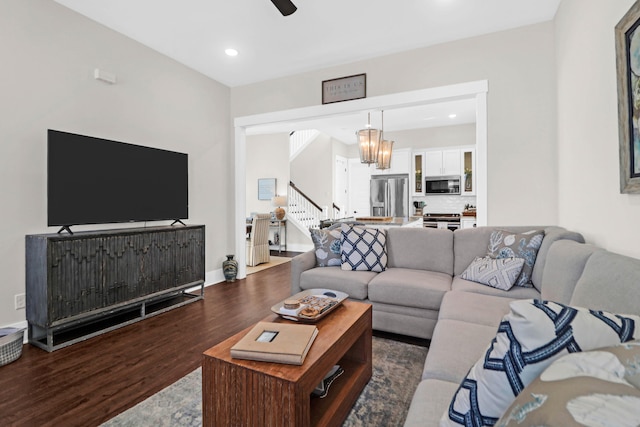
column 286, row 7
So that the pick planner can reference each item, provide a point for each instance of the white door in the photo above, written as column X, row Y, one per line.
column 341, row 186
column 358, row 191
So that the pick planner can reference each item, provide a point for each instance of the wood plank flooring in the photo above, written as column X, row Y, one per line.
column 90, row 382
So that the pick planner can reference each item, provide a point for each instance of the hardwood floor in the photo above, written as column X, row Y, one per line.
column 90, row 382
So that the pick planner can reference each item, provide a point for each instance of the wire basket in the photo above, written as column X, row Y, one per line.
column 10, row 344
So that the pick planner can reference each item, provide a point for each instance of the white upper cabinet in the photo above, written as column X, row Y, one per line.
column 417, row 177
column 400, row 163
column 442, row 162
column 468, row 160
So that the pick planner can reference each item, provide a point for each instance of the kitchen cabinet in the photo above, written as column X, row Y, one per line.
column 417, row 178
column 468, row 160
column 400, row 163
column 442, row 162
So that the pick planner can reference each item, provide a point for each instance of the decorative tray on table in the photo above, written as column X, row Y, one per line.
column 310, row 305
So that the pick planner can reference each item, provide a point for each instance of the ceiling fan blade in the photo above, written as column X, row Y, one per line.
column 286, row 7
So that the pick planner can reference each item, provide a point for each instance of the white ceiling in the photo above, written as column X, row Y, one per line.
column 344, row 127
column 320, row 34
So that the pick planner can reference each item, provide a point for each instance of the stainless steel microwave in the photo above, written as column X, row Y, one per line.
column 442, row 185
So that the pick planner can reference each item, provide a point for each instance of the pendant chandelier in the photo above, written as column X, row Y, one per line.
column 384, row 153
column 369, row 143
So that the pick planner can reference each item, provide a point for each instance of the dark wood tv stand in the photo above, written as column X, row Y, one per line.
column 82, row 285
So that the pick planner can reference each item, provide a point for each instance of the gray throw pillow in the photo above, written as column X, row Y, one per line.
column 328, row 248
column 497, row 273
column 505, row 244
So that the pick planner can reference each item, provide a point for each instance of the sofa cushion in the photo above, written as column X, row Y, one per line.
column 565, row 264
column 497, row 273
column 411, row 321
column 328, row 247
column 469, row 243
column 609, row 282
column 474, row 308
column 410, row 288
column 363, row 248
column 551, row 235
column 455, row 347
column 530, row 338
column 579, row 389
column 431, row 398
column 353, row 283
column 507, row 244
column 516, row 292
column 420, row 249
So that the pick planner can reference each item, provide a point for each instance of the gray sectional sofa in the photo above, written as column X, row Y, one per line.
column 421, row 294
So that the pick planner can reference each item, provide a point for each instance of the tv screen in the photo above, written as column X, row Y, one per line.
column 97, row 181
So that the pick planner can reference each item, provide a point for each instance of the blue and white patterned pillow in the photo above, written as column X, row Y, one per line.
column 363, row 249
column 505, row 244
column 497, row 273
column 328, row 247
column 530, row 337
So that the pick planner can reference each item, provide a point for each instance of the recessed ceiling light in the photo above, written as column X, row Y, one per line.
column 429, row 118
column 231, row 52
column 452, row 116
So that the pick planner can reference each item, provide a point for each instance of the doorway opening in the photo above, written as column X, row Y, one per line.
column 476, row 90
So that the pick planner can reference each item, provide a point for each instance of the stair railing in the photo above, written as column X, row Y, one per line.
column 304, row 210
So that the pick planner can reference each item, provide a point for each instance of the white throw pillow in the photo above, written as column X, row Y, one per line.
column 363, row 249
column 498, row 273
column 530, row 337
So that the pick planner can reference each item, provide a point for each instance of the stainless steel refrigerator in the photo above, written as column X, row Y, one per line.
column 389, row 195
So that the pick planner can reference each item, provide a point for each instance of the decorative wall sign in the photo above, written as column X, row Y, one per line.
column 628, row 69
column 266, row 188
column 344, row 89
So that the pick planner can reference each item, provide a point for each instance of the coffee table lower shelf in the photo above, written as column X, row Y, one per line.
column 342, row 395
column 243, row 392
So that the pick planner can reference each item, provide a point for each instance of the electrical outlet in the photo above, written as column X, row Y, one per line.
column 20, row 301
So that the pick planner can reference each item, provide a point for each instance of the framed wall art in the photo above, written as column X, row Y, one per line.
column 266, row 188
column 628, row 72
column 344, row 89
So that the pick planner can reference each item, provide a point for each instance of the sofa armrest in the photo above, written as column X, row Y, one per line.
column 299, row 264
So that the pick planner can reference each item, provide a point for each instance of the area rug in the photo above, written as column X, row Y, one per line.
column 397, row 368
column 273, row 261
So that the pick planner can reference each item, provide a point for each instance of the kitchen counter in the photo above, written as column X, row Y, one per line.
column 412, row 221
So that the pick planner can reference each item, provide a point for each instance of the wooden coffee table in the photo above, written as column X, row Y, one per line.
column 238, row 392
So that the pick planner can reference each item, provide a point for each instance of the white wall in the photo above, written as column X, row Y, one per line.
column 520, row 67
column 267, row 157
column 590, row 200
column 46, row 81
column 435, row 137
column 312, row 170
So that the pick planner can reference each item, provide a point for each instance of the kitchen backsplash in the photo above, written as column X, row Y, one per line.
column 444, row 204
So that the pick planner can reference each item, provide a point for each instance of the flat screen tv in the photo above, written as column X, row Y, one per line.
column 97, row 181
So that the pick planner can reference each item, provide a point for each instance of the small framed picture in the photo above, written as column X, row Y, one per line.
column 344, row 88
column 266, row 188
column 267, row 336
